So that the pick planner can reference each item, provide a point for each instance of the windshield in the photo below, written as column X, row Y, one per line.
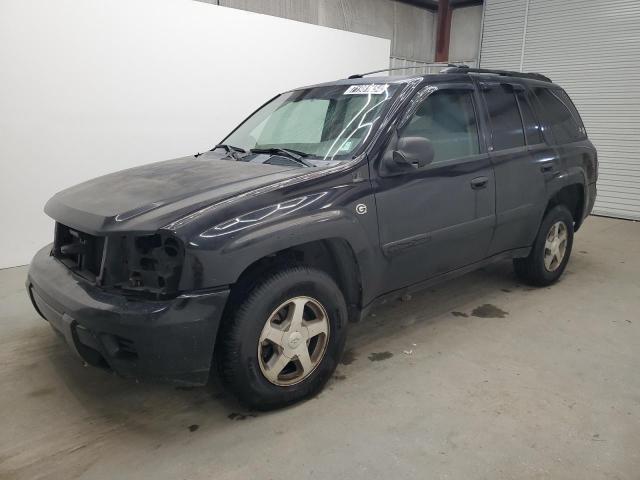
column 322, row 122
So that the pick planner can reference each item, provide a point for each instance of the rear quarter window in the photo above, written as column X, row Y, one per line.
column 559, row 114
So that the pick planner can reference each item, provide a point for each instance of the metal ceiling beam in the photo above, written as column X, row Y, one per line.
column 443, row 34
column 433, row 4
column 428, row 4
column 464, row 3
column 445, row 12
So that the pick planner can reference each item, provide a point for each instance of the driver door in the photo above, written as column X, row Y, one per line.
column 439, row 217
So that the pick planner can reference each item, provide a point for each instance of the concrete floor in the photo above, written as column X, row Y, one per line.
column 538, row 383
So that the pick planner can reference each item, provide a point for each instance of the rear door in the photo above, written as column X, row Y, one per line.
column 562, row 121
column 520, row 158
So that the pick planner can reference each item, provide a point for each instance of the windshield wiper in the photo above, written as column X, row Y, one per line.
column 231, row 150
column 295, row 155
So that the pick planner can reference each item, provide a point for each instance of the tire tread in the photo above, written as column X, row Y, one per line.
column 228, row 355
column 531, row 269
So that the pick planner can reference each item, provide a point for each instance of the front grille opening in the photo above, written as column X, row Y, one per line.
column 79, row 251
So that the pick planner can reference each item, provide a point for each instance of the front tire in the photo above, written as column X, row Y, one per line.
column 551, row 250
column 284, row 341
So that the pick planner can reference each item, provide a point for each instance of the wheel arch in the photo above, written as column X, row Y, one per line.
column 333, row 255
column 572, row 192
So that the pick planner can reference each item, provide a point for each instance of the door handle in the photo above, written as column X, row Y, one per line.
column 479, row 182
column 546, row 167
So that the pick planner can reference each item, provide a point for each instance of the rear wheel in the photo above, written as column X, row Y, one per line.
column 551, row 250
column 284, row 340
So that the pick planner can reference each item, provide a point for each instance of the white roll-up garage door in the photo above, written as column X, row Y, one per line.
column 592, row 49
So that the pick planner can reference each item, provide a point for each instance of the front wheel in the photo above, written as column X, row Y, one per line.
column 551, row 250
column 284, row 340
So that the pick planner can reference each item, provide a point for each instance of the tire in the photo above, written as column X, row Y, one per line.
column 537, row 269
column 246, row 347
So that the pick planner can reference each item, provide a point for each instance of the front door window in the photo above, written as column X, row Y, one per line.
column 447, row 119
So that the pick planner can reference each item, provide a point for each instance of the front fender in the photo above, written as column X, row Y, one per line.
column 217, row 261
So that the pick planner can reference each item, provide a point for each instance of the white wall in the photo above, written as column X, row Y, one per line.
column 93, row 86
column 411, row 29
column 464, row 43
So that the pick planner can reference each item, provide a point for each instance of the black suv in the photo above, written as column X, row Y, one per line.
column 254, row 256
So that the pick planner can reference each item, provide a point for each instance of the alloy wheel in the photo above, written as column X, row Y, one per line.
column 555, row 246
column 293, row 341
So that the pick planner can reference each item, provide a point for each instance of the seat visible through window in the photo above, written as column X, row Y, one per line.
column 447, row 119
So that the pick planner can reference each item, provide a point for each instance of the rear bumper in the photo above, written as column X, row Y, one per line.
column 168, row 340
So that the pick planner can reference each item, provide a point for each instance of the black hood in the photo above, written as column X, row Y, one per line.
column 146, row 198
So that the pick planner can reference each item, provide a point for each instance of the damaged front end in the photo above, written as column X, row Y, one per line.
column 116, row 300
column 147, row 266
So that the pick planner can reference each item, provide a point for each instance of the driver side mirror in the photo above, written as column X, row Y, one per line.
column 409, row 152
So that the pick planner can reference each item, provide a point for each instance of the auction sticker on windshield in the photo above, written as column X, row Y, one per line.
column 372, row 89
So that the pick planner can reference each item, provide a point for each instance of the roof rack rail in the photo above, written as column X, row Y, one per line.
column 465, row 69
column 360, row 75
column 453, row 68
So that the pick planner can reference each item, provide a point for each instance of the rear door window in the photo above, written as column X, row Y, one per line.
column 506, row 124
column 557, row 114
column 532, row 130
